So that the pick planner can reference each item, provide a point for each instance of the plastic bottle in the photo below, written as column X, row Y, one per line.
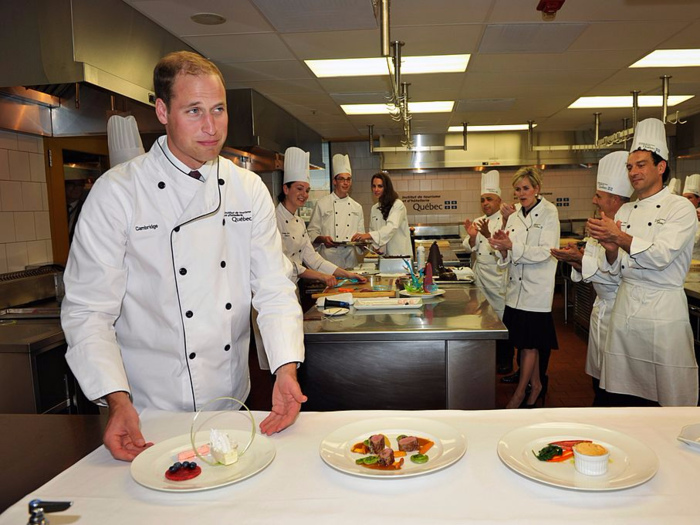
column 420, row 257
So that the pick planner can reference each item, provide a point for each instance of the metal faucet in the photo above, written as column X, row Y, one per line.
column 38, row 508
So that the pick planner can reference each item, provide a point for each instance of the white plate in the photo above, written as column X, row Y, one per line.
column 148, row 469
column 334, row 312
column 406, row 293
column 690, row 435
column 450, row 445
column 631, row 461
column 387, row 303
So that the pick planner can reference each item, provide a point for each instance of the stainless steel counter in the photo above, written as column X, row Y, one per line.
column 25, row 336
column 441, row 356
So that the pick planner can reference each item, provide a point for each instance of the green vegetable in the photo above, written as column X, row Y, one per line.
column 400, row 437
column 548, row 452
column 368, row 460
column 420, row 458
column 366, row 442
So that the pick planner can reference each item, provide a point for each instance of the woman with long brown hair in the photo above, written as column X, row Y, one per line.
column 388, row 224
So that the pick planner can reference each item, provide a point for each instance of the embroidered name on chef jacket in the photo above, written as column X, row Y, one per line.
column 239, row 216
column 146, row 227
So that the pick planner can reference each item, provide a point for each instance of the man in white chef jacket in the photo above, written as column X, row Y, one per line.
column 337, row 217
column 648, row 355
column 691, row 191
column 488, row 276
column 613, row 189
column 169, row 249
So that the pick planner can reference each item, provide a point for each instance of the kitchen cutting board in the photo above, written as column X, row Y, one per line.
column 356, row 294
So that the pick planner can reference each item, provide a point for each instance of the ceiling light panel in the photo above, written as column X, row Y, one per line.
column 625, row 101
column 366, row 67
column 670, row 58
column 444, row 106
column 477, row 129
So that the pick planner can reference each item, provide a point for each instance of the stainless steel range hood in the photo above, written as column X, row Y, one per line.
column 52, row 44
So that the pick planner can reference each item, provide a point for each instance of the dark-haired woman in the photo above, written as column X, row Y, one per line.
column 388, row 224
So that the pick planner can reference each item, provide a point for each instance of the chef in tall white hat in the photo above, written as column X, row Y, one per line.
column 305, row 261
column 123, row 139
column 337, row 217
column 649, row 355
column 674, row 186
column 613, row 189
column 488, row 276
column 691, row 191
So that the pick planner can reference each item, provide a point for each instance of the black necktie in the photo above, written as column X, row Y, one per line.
column 195, row 174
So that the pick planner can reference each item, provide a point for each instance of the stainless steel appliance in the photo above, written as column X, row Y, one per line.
column 449, row 237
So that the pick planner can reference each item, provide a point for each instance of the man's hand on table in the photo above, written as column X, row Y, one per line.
column 123, row 436
column 286, row 400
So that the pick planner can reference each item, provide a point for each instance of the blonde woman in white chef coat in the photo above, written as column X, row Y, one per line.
column 691, row 191
column 337, row 217
column 649, row 352
column 168, row 251
column 524, row 245
column 613, row 189
column 388, row 223
column 307, row 263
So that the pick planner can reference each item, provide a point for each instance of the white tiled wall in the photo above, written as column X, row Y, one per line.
column 25, row 235
column 578, row 185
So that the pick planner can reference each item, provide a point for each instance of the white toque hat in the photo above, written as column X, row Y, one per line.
column 296, row 166
column 674, row 185
column 123, row 139
column 612, row 174
column 491, row 182
column 692, row 184
column 650, row 135
column 341, row 164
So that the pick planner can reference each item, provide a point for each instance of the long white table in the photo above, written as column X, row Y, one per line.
column 299, row 488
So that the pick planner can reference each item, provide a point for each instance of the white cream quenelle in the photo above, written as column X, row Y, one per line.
column 488, row 275
column 649, row 350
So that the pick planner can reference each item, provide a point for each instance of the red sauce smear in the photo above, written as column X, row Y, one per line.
column 183, row 474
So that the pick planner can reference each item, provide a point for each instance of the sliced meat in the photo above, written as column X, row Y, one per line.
column 409, row 444
column 376, row 443
column 386, row 457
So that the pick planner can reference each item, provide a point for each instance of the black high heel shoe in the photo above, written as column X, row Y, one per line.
column 540, row 397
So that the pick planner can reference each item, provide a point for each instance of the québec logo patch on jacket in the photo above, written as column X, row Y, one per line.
column 239, row 216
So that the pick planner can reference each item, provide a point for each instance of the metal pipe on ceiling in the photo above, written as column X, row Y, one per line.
column 384, row 30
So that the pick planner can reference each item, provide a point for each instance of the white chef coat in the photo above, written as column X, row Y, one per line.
column 649, row 349
column 160, row 278
column 605, row 286
column 488, row 275
column 391, row 236
column 531, row 267
column 297, row 245
column 341, row 219
column 696, row 246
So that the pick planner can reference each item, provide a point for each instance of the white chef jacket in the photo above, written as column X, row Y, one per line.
column 392, row 235
column 341, row 219
column 649, row 349
column 297, row 245
column 488, row 275
column 696, row 246
column 531, row 267
column 159, row 284
column 605, row 286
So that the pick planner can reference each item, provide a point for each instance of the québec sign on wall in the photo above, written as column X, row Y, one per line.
column 431, row 203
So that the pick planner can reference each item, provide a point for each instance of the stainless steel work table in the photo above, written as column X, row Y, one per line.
column 439, row 356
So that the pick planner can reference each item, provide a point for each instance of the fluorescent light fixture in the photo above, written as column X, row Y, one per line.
column 444, row 106
column 476, row 129
column 670, row 58
column 625, row 101
column 368, row 67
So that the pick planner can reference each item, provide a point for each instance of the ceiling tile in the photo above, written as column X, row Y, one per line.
column 328, row 15
column 267, row 70
column 569, row 60
column 640, row 36
column 529, row 38
column 435, row 40
column 333, row 44
column 240, row 48
column 281, row 86
column 436, row 12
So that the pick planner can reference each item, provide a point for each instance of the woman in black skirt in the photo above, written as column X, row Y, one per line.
column 531, row 231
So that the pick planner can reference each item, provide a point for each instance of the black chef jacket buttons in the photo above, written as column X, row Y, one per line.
column 286, row 221
column 183, row 271
column 223, row 222
column 658, row 206
column 221, row 182
column 649, row 224
column 223, row 264
column 227, row 348
column 635, row 206
column 628, row 226
column 176, row 229
column 193, row 355
column 161, row 185
column 228, row 306
column 623, row 266
column 189, row 314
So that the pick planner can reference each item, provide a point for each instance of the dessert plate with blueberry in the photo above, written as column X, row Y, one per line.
column 578, row 456
column 396, row 447
column 172, row 465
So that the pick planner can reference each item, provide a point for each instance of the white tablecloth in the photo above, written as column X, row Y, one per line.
column 299, row 488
